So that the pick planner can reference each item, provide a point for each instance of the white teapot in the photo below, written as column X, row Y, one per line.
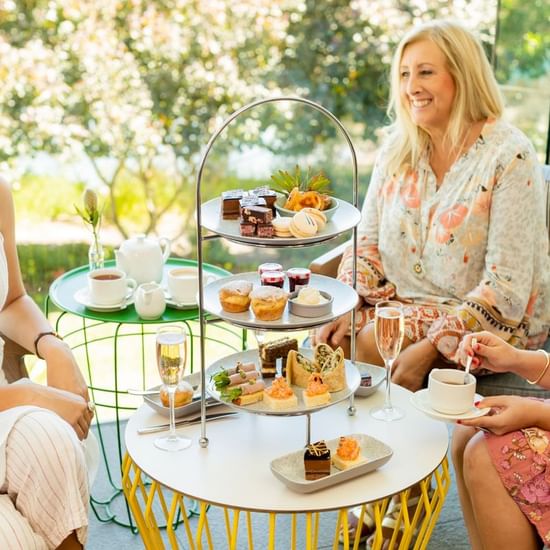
column 149, row 302
column 142, row 258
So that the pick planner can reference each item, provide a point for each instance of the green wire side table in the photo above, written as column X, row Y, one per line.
column 129, row 363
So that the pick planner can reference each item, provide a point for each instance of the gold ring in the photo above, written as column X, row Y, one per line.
column 91, row 406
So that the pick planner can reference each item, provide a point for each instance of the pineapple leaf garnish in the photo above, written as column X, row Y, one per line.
column 284, row 182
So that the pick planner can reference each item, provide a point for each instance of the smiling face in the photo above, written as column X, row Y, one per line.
column 427, row 88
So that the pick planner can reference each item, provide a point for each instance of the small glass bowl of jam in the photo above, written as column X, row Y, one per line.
column 298, row 277
column 270, row 266
column 273, row 278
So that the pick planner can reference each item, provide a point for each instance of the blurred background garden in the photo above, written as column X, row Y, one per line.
column 123, row 96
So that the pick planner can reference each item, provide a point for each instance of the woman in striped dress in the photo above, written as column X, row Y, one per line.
column 43, row 475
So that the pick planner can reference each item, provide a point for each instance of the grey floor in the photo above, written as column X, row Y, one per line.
column 449, row 532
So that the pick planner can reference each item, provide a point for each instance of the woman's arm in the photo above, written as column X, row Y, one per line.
column 69, row 406
column 492, row 353
column 21, row 319
column 506, row 294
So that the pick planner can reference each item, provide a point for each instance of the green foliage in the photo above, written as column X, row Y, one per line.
column 46, row 197
column 285, row 182
column 523, row 40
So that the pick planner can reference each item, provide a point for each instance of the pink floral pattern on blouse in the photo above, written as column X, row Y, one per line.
column 522, row 460
column 475, row 249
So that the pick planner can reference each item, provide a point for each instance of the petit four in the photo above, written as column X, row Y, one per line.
column 230, row 206
column 256, row 214
column 302, row 226
column 316, row 392
column 316, row 461
column 265, row 230
column 183, row 395
column 318, row 216
column 281, row 227
column 279, row 396
column 235, row 296
column 268, row 302
column 276, row 349
column 348, row 454
column 268, row 195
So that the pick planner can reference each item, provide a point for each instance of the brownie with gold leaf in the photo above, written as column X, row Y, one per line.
column 317, row 461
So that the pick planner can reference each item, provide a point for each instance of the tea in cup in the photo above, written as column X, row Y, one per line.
column 448, row 393
column 183, row 284
column 109, row 286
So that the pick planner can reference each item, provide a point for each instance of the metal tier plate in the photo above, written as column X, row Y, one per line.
column 345, row 218
column 345, row 299
column 251, row 356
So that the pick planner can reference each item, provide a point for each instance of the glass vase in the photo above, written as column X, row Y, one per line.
column 96, row 255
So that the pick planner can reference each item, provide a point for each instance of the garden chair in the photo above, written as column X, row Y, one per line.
column 495, row 384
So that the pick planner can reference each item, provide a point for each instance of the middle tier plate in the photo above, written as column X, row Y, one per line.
column 353, row 378
column 345, row 299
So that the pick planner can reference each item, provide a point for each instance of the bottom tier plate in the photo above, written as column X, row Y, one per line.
column 290, row 468
column 353, row 379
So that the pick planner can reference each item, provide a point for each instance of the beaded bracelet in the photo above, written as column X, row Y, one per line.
column 40, row 336
column 533, row 382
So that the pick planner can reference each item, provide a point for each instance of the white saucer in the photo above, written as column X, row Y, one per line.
column 170, row 302
column 421, row 401
column 82, row 296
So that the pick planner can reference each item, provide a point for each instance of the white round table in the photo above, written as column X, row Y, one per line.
column 234, row 473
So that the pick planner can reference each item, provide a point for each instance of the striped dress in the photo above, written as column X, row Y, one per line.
column 43, row 476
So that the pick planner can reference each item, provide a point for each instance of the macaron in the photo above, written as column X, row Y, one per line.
column 281, row 226
column 318, row 216
column 303, row 225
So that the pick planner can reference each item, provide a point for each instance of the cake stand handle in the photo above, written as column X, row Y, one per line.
column 308, row 429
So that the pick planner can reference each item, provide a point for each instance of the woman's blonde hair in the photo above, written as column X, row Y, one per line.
column 477, row 95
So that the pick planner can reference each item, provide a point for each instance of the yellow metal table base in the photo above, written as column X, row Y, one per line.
column 412, row 526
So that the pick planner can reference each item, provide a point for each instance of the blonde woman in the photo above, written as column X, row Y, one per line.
column 453, row 221
column 43, row 474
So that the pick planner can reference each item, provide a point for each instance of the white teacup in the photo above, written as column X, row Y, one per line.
column 447, row 392
column 109, row 286
column 183, row 283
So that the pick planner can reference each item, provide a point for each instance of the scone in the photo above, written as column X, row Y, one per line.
column 235, row 296
column 183, row 395
column 268, row 302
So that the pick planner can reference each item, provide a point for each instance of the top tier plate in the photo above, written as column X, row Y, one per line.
column 345, row 218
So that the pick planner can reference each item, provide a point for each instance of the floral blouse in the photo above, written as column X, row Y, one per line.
column 476, row 248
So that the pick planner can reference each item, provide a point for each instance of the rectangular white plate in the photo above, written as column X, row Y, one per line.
column 290, row 468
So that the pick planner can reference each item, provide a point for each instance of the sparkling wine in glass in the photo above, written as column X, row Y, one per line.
column 389, row 331
column 171, row 350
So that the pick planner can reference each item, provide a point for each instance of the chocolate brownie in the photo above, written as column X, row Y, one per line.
column 316, row 461
column 247, row 229
column 256, row 214
column 265, row 230
column 230, row 204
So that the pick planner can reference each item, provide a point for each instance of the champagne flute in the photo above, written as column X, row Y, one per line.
column 171, row 348
column 389, row 331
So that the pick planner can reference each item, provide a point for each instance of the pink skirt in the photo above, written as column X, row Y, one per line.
column 522, row 460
